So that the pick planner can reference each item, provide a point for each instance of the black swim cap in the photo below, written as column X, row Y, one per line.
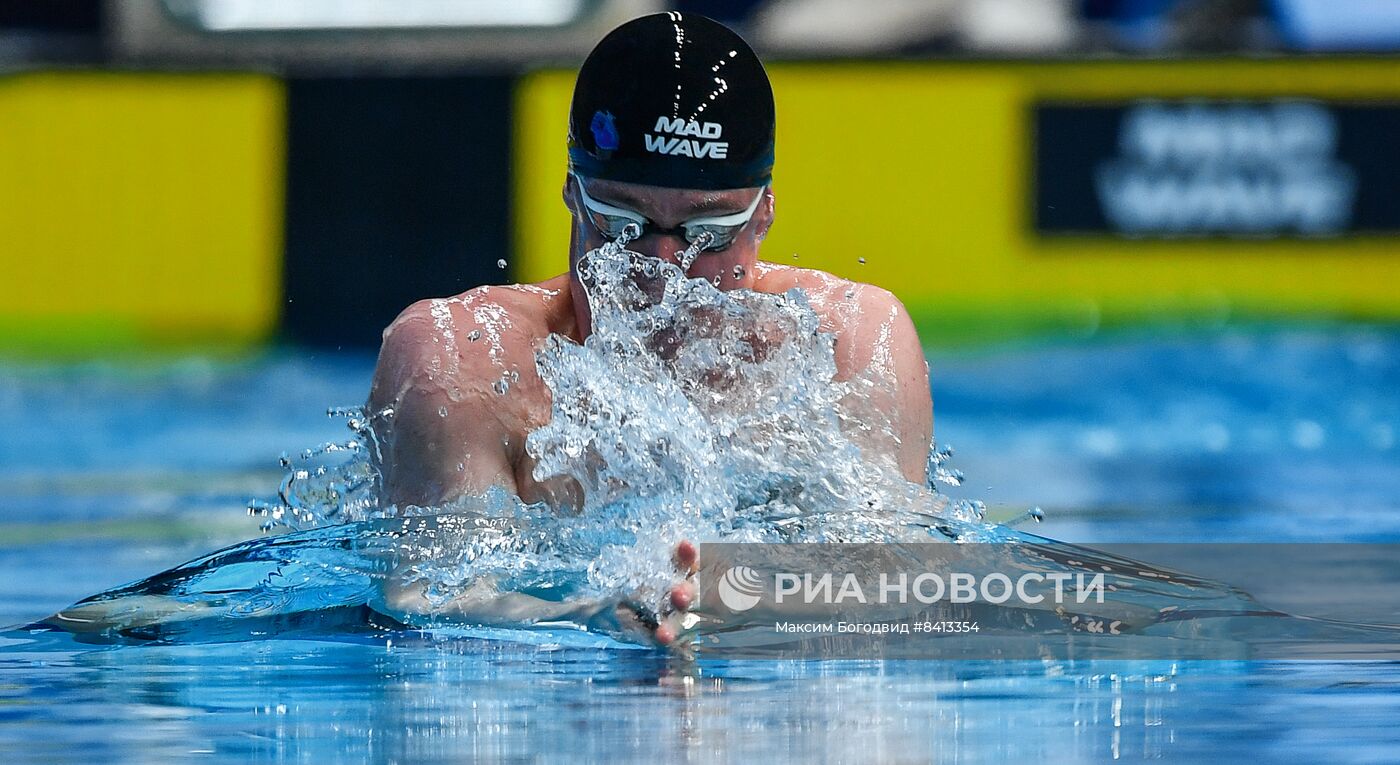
column 675, row 100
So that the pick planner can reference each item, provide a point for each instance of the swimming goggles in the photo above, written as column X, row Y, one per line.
column 722, row 229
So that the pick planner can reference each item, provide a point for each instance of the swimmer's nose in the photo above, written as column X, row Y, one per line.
column 662, row 247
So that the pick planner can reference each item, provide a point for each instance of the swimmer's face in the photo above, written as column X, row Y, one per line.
column 668, row 210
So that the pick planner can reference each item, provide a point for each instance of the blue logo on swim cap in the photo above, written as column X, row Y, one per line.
column 604, row 131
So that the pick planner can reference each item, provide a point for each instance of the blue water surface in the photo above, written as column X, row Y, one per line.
column 111, row 472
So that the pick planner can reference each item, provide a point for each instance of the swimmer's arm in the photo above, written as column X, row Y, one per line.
column 914, row 420
column 404, row 597
column 884, row 345
column 428, row 457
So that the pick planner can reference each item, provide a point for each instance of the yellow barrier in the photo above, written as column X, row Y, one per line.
column 139, row 208
column 922, row 169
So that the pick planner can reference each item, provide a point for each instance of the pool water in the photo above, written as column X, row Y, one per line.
column 112, row 472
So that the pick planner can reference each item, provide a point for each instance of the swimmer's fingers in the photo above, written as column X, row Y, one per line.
column 678, row 619
column 682, row 596
column 668, row 630
column 687, row 558
column 675, row 629
column 673, row 624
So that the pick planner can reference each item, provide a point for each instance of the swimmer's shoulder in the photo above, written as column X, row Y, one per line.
column 836, row 299
column 504, row 311
column 777, row 278
column 480, row 334
column 547, row 306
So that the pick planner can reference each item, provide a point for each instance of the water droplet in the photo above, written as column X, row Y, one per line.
column 738, row 272
column 794, row 256
column 501, row 387
column 861, row 261
column 442, row 411
column 501, row 263
column 1036, row 514
column 474, row 335
column 461, row 467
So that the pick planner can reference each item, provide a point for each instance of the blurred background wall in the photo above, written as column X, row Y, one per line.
column 227, row 173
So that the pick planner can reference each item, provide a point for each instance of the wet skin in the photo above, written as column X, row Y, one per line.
column 442, row 361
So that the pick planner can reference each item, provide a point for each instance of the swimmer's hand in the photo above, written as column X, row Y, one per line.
column 403, row 597
column 669, row 626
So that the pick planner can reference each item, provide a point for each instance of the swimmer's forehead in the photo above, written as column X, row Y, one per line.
column 643, row 198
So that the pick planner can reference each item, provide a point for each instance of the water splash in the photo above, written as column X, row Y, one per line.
column 688, row 413
column 334, row 483
column 323, row 577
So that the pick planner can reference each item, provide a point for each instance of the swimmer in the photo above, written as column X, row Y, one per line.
column 671, row 129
